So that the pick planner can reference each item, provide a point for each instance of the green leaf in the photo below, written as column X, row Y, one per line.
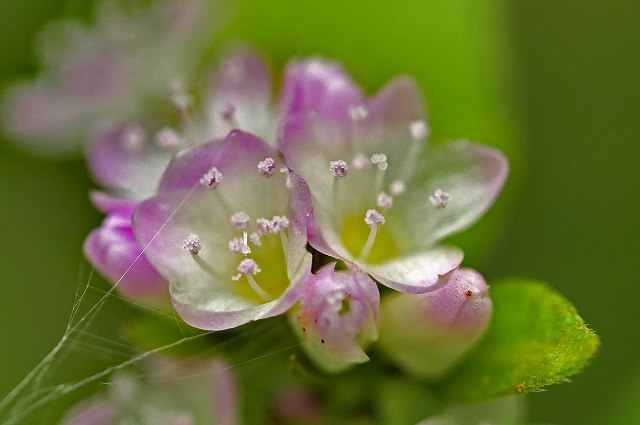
column 536, row 338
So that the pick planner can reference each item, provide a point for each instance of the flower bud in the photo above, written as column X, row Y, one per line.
column 114, row 251
column 427, row 334
column 338, row 317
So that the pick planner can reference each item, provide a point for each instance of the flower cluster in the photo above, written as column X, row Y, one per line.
column 237, row 205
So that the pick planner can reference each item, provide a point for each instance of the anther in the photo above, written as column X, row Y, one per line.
column 134, row 137
column 255, row 239
column 267, row 167
column 247, row 267
column 279, row 223
column 440, row 199
column 263, row 225
column 419, row 130
column 239, row 220
column 384, row 201
column 361, row 162
column 168, row 138
column 211, row 178
column 373, row 218
column 240, row 245
column 192, row 244
column 358, row 113
column 397, row 187
column 178, row 95
column 287, row 173
column 338, row 168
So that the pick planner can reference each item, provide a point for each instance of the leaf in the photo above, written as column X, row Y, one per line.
column 536, row 338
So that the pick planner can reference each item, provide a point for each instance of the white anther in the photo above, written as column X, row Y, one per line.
column 247, row 267
column 338, row 168
column 239, row 220
column 358, row 112
column 255, row 239
column 134, row 137
column 263, row 225
column 287, row 173
column 440, row 198
column 179, row 95
column 267, row 167
column 279, row 223
column 361, row 162
column 377, row 158
column 419, row 130
column 239, row 246
column 211, row 178
column 373, row 218
column 192, row 244
column 397, row 187
column 384, row 201
column 169, row 138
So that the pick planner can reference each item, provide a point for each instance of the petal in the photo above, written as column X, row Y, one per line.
column 240, row 96
column 114, row 251
column 471, row 174
column 95, row 411
column 124, row 159
column 202, row 288
column 416, row 273
column 107, row 203
column 318, row 85
column 338, row 317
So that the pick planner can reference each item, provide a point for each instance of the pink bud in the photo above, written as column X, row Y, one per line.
column 427, row 334
column 338, row 317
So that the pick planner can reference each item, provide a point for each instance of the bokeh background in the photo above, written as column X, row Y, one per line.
column 555, row 84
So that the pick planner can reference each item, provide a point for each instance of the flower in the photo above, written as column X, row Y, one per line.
column 114, row 70
column 114, row 251
column 427, row 334
column 178, row 392
column 223, row 274
column 397, row 201
column 337, row 317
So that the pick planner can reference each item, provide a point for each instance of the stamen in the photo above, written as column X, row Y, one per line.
column 361, row 162
column 168, row 138
column 239, row 220
column 134, row 137
column 358, row 113
column 373, row 218
column 192, row 244
column 255, row 239
column 263, row 225
column 248, row 268
column 267, row 167
column 212, row 178
column 279, row 223
column 380, row 160
column 338, row 168
column 397, row 187
column 419, row 130
column 440, row 199
column 178, row 94
column 239, row 245
column 384, row 201
column 287, row 173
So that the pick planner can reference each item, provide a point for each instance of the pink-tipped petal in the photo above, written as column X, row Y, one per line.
column 124, row 159
column 113, row 249
column 320, row 86
column 240, row 96
column 456, row 185
column 427, row 334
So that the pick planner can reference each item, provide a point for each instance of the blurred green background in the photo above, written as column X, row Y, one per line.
column 554, row 84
